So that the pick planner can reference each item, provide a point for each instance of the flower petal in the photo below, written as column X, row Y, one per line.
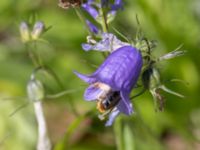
column 109, row 43
column 118, row 4
column 112, row 117
column 91, row 10
column 87, row 47
column 124, row 104
column 92, row 27
column 121, row 69
column 92, row 93
column 86, row 78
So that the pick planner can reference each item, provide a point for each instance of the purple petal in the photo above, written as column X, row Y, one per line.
column 92, row 93
column 124, row 104
column 92, row 27
column 121, row 69
column 112, row 117
column 86, row 78
column 91, row 10
column 109, row 43
column 90, row 2
column 118, row 4
column 87, row 47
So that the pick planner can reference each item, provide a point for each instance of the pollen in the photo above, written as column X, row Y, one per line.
column 100, row 107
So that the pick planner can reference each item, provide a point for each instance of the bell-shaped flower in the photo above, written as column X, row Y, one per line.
column 110, row 85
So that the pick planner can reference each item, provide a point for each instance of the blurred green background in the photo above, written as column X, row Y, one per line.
column 169, row 22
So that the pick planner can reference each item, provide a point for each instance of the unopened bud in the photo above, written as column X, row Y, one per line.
column 151, row 78
column 37, row 30
column 24, row 32
column 35, row 90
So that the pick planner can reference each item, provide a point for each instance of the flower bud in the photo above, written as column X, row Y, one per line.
column 151, row 78
column 24, row 32
column 37, row 30
column 35, row 90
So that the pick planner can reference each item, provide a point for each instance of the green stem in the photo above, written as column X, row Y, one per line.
column 82, row 18
column 138, row 94
column 18, row 108
column 33, row 53
column 119, row 134
column 32, row 56
column 62, row 93
column 54, row 75
column 51, row 73
column 104, row 24
column 37, row 53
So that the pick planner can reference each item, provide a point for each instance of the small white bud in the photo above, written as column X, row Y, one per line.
column 37, row 30
column 35, row 90
column 24, row 32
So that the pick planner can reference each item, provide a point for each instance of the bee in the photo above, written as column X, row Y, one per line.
column 108, row 101
column 65, row 4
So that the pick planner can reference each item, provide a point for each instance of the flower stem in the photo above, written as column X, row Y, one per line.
column 119, row 134
column 82, row 18
column 43, row 138
column 63, row 93
column 104, row 24
column 33, row 54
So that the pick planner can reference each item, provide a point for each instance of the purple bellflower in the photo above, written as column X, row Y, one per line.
column 92, row 7
column 111, row 84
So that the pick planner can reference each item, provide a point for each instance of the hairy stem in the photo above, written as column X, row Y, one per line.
column 43, row 138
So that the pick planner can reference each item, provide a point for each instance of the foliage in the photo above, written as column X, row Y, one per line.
column 73, row 123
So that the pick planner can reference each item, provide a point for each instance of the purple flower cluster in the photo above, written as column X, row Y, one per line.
column 92, row 7
column 111, row 84
column 125, row 61
column 103, row 11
